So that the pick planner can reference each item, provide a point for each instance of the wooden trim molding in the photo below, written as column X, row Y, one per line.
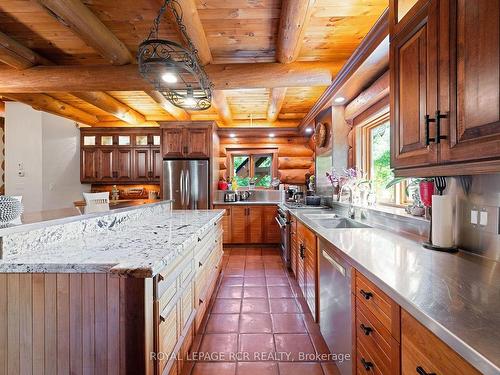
column 373, row 39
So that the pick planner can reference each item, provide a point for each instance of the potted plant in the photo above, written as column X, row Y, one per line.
column 421, row 190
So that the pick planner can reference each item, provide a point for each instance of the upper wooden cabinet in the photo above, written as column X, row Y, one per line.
column 445, row 88
column 120, row 155
column 187, row 140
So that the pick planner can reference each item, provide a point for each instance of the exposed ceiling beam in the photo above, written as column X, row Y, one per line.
column 219, row 101
column 366, row 49
column 276, row 99
column 178, row 113
column 109, row 104
column 194, row 29
column 18, row 56
column 295, row 16
column 80, row 19
column 43, row 102
column 127, row 77
column 256, row 124
column 123, row 124
column 250, row 132
column 378, row 90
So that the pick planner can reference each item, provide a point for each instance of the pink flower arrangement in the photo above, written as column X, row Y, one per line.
column 350, row 175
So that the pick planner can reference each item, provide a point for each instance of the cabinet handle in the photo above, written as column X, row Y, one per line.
column 200, row 264
column 367, row 295
column 439, row 116
column 200, row 301
column 421, row 371
column 185, row 149
column 366, row 329
column 366, row 364
column 428, row 121
column 302, row 254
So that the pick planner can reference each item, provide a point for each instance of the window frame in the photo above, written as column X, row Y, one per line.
column 252, row 153
column 363, row 156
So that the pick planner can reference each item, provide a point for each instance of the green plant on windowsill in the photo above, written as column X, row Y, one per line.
column 416, row 208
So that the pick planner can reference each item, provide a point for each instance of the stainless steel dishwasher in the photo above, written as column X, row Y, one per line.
column 335, row 315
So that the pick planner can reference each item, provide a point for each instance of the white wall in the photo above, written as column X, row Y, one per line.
column 48, row 147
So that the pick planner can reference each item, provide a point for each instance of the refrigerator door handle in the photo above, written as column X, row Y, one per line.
column 188, row 188
column 181, row 184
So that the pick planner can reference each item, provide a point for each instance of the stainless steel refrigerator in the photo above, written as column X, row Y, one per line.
column 186, row 182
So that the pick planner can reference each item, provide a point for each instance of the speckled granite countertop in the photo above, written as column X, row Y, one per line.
column 247, row 203
column 138, row 242
column 456, row 296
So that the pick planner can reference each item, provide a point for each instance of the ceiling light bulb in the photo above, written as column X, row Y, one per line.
column 169, row 77
column 309, row 130
column 340, row 99
column 190, row 102
column 232, row 135
column 271, row 135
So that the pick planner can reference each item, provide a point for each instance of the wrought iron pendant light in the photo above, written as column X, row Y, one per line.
column 174, row 71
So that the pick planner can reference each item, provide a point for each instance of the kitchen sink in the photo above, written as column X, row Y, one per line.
column 322, row 216
column 340, row 223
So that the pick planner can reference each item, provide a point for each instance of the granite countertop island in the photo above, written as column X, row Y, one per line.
column 137, row 241
column 456, row 296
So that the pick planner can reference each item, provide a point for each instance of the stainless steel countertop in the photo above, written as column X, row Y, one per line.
column 247, row 203
column 456, row 296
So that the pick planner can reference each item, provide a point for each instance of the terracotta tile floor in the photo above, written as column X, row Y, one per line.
column 257, row 323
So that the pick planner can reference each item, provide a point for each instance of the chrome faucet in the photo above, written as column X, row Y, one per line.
column 350, row 211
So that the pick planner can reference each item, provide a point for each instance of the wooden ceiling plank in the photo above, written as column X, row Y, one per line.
column 177, row 112
column 18, row 56
column 295, row 15
column 44, row 102
column 79, row 18
column 194, row 29
column 276, row 99
column 109, row 104
column 219, row 101
column 127, row 78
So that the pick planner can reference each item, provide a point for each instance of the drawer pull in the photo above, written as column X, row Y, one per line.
column 200, row 264
column 421, row 371
column 162, row 318
column 366, row 329
column 160, row 277
column 200, row 301
column 366, row 364
column 367, row 295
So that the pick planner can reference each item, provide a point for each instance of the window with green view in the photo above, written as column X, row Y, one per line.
column 380, row 162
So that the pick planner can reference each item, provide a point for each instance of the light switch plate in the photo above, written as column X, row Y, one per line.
column 474, row 217
column 483, row 218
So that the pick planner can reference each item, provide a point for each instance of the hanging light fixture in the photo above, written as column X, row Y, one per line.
column 173, row 70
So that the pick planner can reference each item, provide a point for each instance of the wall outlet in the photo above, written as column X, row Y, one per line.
column 483, row 218
column 474, row 214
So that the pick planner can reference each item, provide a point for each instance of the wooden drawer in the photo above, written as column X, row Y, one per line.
column 378, row 303
column 383, row 349
column 420, row 348
column 367, row 362
column 169, row 294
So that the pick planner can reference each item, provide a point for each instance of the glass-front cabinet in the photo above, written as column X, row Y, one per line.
column 120, row 155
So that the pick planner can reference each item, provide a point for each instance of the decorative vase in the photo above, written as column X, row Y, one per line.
column 10, row 209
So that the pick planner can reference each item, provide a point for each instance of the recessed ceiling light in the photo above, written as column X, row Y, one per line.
column 340, row 99
column 309, row 130
column 232, row 135
column 271, row 135
column 169, row 77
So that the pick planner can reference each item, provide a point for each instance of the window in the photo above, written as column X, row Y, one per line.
column 257, row 166
column 374, row 158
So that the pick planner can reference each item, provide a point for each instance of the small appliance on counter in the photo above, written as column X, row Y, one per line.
column 230, row 196
column 244, row 195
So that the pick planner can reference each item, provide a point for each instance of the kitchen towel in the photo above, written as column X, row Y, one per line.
column 442, row 220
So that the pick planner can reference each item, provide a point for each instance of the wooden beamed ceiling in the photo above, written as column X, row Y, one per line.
column 269, row 60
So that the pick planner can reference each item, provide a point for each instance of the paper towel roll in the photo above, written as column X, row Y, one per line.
column 442, row 220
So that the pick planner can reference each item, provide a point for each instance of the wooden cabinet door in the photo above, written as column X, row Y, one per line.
column 414, row 77
column 254, row 224
column 156, row 164
column 89, row 164
column 238, row 224
column 474, row 131
column 301, row 275
column 123, row 164
column 173, row 143
column 106, row 169
column 311, row 275
column 271, row 229
column 226, row 222
column 421, row 348
column 197, row 142
column 142, row 159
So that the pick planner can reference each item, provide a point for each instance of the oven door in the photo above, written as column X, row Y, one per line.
column 284, row 246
